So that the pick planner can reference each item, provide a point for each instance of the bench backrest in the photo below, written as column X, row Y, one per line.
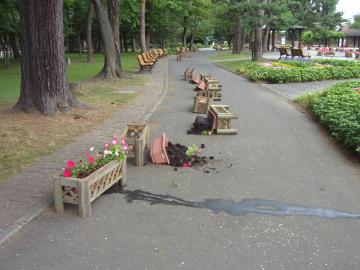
column 297, row 52
column 141, row 60
column 283, row 51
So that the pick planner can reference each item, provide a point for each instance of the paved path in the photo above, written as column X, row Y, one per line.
column 27, row 193
column 282, row 196
column 293, row 90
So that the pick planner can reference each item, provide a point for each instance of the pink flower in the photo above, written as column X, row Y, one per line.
column 91, row 159
column 71, row 164
column 67, row 173
column 115, row 140
column 187, row 165
column 106, row 146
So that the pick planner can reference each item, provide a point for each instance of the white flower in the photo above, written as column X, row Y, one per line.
column 116, row 153
column 92, row 149
column 106, row 152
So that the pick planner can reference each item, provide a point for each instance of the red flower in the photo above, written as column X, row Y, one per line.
column 71, row 164
column 67, row 173
column 91, row 159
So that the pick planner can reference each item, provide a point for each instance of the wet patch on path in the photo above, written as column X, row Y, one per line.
column 244, row 207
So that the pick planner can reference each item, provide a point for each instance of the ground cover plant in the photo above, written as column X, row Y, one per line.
column 338, row 108
column 285, row 71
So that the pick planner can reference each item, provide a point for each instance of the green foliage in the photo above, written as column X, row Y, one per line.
column 338, row 108
column 356, row 23
column 192, row 150
column 301, row 71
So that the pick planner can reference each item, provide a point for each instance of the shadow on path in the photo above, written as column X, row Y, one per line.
column 246, row 206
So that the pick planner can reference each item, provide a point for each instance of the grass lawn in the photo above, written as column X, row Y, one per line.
column 25, row 138
column 79, row 70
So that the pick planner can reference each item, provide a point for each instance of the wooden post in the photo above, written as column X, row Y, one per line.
column 59, row 205
column 139, row 153
column 123, row 181
column 84, row 200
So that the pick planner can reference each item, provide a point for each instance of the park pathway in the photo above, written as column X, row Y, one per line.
column 281, row 195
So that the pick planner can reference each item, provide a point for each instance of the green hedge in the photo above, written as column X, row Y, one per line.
column 338, row 108
column 302, row 71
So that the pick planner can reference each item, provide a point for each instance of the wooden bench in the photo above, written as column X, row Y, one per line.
column 221, row 119
column 143, row 65
column 299, row 53
column 284, row 51
column 137, row 138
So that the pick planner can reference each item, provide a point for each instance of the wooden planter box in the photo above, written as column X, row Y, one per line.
column 137, row 137
column 221, row 119
column 202, row 104
column 82, row 192
column 215, row 89
column 188, row 74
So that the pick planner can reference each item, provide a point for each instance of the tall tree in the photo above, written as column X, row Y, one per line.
column 44, row 85
column 142, row 26
column 257, row 45
column 110, row 39
column 88, row 32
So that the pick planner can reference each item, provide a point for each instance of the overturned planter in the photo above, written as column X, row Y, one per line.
column 158, row 150
column 82, row 192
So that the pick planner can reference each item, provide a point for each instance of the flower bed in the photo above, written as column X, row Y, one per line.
column 83, row 181
column 300, row 71
column 338, row 108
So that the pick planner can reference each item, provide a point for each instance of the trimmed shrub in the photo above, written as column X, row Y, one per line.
column 338, row 108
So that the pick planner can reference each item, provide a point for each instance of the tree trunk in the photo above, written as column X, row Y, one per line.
column 121, row 42
column 114, row 12
column 147, row 39
column 184, row 32
column 142, row 26
column 193, row 31
column 88, row 33
column 257, row 48
column 266, row 38
column 110, row 41
column 13, row 40
column 273, row 40
column 237, row 35
column 133, row 48
column 44, row 84
column 124, row 37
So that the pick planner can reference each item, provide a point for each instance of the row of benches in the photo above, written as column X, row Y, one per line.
column 148, row 60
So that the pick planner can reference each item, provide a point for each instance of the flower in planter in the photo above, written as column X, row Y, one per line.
column 96, row 160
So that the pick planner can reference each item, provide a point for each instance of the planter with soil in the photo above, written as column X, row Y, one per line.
column 82, row 192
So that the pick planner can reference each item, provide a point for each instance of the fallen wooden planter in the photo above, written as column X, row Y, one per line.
column 137, row 138
column 221, row 119
column 82, row 192
column 188, row 74
column 158, row 150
